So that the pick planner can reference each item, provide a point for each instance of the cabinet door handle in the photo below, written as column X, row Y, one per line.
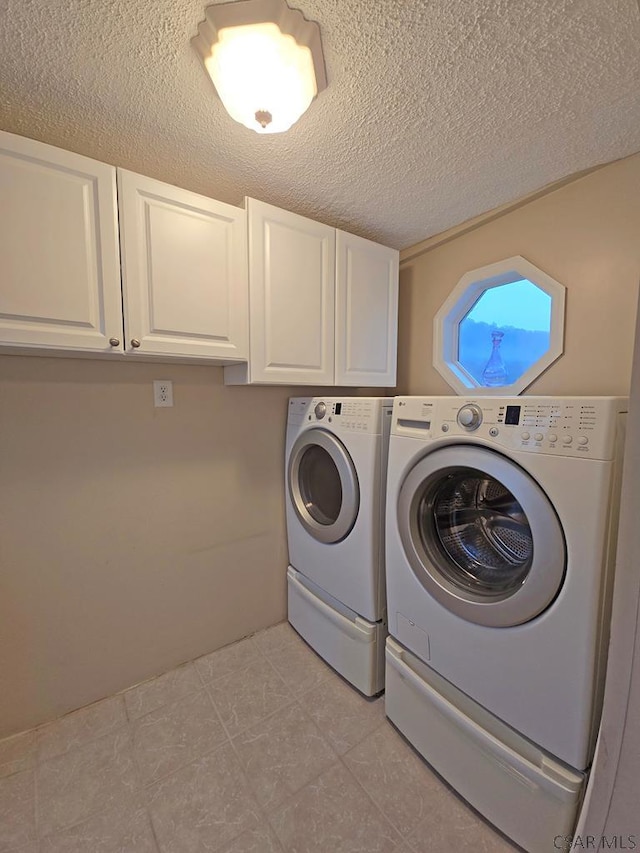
column 135, row 343
column 115, row 342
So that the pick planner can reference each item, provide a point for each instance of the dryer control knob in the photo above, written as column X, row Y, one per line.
column 320, row 410
column 470, row 416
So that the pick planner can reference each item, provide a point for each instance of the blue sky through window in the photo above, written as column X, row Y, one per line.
column 522, row 312
column 521, row 304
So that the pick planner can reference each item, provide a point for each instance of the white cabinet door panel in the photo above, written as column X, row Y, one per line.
column 60, row 282
column 294, row 335
column 291, row 279
column 184, row 271
column 366, row 312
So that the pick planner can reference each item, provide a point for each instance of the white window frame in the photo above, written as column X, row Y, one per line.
column 464, row 295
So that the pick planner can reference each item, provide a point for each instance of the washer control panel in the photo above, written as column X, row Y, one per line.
column 348, row 414
column 567, row 426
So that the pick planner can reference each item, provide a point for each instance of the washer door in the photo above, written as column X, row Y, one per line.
column 481, row 536
column 323, row 485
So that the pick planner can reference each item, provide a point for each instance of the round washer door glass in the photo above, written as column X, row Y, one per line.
column 481, row 536
column 323, row 485
column 481, row 531
column 320, row 486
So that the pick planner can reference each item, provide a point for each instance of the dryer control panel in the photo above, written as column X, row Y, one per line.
column 351, row 414
column 567, row 426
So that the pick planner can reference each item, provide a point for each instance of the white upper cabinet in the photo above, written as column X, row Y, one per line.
column 184, row 272
column 366, row 312
column 59, row 260
column 140, row 269
column 184, row 261
column 292, row 299
column 322, row 304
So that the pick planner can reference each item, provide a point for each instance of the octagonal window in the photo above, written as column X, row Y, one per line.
column 500, row 329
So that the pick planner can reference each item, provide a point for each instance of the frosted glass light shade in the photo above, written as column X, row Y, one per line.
column 258, row 70
column 265, row 61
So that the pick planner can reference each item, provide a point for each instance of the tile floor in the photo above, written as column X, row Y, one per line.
column 256, row 748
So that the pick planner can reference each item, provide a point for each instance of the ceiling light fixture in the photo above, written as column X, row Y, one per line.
column 264, row 59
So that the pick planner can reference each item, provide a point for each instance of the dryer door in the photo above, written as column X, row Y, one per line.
column 481, row 536
column 323, row 485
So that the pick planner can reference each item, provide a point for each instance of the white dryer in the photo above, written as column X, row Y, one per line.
column 501, row 521
column 336, row 455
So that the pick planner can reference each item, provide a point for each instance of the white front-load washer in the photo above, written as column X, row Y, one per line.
column 335, row 470
column 501, row 521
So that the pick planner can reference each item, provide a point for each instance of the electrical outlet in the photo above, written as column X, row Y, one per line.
column 162, row 392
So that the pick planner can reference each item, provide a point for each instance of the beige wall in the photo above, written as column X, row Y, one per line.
column 131, row 538
column 613, row 793
column 587, row 236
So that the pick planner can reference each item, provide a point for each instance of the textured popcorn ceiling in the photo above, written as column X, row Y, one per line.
column 436, row 110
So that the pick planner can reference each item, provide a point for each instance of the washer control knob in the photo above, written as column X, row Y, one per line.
column 470, row 416
column 526, row 436
column 538, row 436
column 320, row 410
column 583, row 440
column 567, row 439
column 552, row 437
column 445, row 427
column 493, row 432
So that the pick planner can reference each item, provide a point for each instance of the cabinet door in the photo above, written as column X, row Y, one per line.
column 184, row 272
column 291, row 284
column 59, row 260
column 366, row 312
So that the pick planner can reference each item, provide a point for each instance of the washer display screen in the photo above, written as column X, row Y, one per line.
column 512, row 417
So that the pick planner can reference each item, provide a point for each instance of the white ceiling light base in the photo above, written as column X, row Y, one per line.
column 265, row 61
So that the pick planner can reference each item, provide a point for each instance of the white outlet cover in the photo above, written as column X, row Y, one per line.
column 162, row 393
